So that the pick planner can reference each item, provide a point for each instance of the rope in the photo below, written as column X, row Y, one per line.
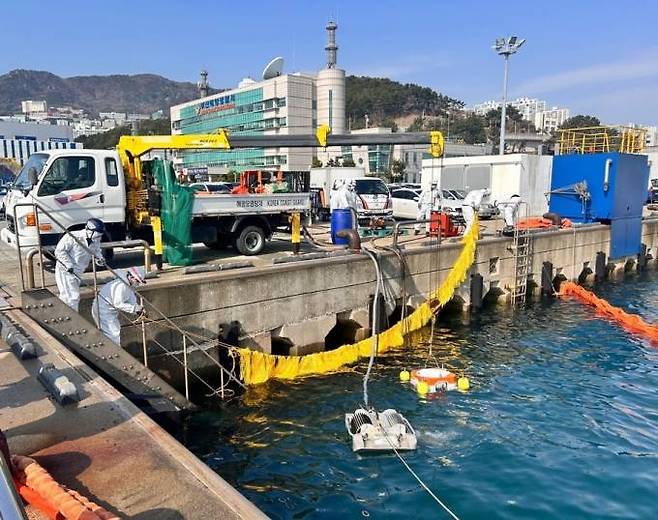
column 418, row 479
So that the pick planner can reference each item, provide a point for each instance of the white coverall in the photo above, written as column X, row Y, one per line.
column 511, row 210
column 426, row 203
column 70, row 254
column 336, row 196
column 351, row 195
column 113, row 297
column 470, row 204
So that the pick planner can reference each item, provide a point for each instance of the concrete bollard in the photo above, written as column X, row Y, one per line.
column 59, row 386
column 22, row 347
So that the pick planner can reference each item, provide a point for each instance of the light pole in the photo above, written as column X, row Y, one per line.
column 505, row 47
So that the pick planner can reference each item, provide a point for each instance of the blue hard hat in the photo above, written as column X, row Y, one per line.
column 95, row 224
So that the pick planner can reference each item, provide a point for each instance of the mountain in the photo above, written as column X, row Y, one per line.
column 139, row 93
column 385, row 101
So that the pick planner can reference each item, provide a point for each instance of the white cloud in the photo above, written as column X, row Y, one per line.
column 643, row 66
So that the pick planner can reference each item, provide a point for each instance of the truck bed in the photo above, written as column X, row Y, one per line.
column 209, row 205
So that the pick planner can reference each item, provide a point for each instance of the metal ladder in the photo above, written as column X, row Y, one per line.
column 522, row 259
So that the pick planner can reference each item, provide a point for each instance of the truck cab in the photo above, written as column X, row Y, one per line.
column 74, row 186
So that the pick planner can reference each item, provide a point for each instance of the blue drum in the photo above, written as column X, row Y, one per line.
column 340, row 219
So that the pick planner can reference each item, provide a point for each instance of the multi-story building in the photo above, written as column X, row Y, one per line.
column 19, row 140
column 284, row 104
column 549, row 120
column 34, row 109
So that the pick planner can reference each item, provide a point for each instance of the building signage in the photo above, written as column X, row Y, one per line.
column 25, row 138
column 217, row 104
column 197, row 171
column 58, row 139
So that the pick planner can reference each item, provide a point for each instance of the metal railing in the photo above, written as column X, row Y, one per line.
column 600, row 139
column 186, row 336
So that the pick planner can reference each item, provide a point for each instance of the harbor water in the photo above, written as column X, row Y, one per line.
column 560, row 422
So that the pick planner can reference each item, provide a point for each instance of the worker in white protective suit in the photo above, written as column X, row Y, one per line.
column 73, row 259
column 471, row 204
column 510, row 212
column 335, row 195
column 426, row 202
column 351, row 195
column 117, row 295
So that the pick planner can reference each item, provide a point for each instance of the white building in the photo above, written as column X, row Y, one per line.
column 481, row 109
column 20, row 140
column 550, row 120
column 34, row 109
column 279, row 104
column 531, row 109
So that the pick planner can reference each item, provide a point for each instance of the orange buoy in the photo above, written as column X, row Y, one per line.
column 436, row 379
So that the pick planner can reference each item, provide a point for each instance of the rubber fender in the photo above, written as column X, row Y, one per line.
column 6, row 327
column 59, row 386
column 554, row 218
column 22, row 347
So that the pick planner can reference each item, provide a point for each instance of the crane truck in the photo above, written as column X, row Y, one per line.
column 117, row 187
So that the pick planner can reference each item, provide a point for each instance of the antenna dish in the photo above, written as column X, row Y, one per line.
column 274, row 68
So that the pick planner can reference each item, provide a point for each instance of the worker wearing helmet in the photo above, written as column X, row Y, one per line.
column 471, row 204
column 117, row 295
column 73, row 259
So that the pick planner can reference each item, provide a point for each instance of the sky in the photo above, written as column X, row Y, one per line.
column 595, row 57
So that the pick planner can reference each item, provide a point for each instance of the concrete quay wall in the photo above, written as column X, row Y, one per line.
column 298, row 304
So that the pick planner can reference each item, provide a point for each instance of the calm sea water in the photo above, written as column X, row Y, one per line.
column 561, row 422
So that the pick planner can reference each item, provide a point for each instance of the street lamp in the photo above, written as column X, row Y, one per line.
column 506, row 47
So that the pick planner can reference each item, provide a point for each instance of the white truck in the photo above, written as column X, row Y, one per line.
column 75, row 185
column 374, row 198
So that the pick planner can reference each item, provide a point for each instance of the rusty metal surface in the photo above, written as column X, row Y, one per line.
column 83, row 338
column 103, row 446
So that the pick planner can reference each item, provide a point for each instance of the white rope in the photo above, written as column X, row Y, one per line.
column 420, row 481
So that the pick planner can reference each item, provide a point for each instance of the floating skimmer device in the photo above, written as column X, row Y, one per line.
column 371, row 430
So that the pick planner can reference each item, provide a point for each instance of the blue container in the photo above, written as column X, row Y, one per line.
column 619, row 194
column 617, row 184
column 340, row 219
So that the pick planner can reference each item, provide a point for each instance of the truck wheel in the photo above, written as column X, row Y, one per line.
column 250, row 241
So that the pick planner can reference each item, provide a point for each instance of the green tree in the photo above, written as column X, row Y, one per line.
column 471, row 129
column 397, row 169
column 348, row 162
column 580, row 121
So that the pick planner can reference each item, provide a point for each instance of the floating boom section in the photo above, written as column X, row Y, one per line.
column 257, row 367
column 631, row 322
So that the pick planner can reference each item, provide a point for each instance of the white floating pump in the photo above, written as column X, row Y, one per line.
column 371, row 430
